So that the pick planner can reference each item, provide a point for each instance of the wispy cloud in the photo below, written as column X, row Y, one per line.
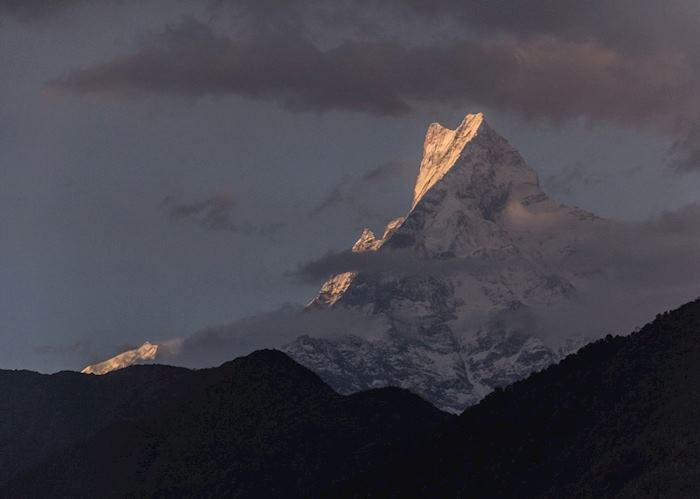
column 632, row 271
column 215, row 213
column 275, row 328
column 352, row 192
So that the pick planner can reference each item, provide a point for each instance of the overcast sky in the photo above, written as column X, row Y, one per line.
column 165, row 166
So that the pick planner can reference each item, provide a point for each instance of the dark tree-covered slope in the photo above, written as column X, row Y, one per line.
column 621, row 418
column 263, row 426
column 41, row 414
column 618, row 419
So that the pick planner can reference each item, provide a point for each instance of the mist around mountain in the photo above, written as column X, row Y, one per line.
column 617, row 419
column 483, row 281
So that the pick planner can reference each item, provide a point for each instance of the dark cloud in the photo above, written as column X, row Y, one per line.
column 537, row 77
column 336, row 262
column 620, row 61
column 540, row 77
column 629, row 23
column 633, row 21
column 191, row 60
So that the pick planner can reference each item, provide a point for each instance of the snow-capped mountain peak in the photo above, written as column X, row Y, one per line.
column 367, row 242
column 453, row 337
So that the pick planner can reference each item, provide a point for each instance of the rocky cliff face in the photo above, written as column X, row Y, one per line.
column 476, row 252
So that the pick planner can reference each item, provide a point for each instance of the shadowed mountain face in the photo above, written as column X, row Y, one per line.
column 259, row 426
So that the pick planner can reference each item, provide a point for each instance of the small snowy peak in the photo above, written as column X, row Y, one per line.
column 145, row 352
column 333, row 290
column 369, row 242
column 366, row 242
column 391, row 227
column 335, row 287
